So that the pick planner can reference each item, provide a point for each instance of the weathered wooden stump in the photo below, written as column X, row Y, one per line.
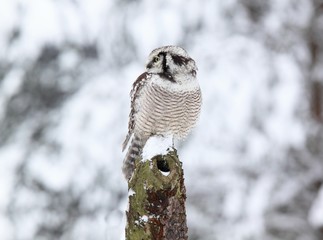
column 157, row 198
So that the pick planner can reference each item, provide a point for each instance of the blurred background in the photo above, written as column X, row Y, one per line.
column 254, row 164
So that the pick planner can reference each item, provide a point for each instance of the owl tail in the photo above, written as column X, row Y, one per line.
column 134, row 151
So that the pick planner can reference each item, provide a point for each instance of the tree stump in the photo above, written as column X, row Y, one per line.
column 157, row 200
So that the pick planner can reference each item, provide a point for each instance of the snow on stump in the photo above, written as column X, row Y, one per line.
column 157, row 200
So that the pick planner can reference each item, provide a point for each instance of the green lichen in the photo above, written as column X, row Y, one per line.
column 148, row 179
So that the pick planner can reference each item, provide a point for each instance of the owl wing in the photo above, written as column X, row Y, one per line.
column 135, row 91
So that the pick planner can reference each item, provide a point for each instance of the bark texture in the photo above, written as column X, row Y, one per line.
column 157, row 200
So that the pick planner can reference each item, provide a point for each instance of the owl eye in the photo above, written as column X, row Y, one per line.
column 156, row 59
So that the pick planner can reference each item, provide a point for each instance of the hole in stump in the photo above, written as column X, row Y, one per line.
column 162, row 165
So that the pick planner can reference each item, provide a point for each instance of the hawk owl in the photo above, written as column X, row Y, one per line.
column 165, row 101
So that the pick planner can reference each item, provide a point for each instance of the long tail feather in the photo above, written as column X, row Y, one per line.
column 134, row 151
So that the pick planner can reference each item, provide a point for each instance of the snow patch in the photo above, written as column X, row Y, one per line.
column 316, row 211
column 144, row 218
column 156, row 145
column 131, row 192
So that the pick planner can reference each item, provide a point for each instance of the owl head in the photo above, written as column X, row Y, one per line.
column 171, row 63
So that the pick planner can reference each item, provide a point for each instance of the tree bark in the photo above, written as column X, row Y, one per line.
column 315, row 46
column 157, row 200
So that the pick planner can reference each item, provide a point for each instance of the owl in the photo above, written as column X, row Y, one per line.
column 165, row 101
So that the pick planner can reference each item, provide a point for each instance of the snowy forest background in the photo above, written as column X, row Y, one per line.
column 254, row 164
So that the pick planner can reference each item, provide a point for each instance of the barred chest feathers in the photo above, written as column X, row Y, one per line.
column 168, row 108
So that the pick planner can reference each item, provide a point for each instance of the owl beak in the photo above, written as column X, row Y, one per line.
column 149, row 65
